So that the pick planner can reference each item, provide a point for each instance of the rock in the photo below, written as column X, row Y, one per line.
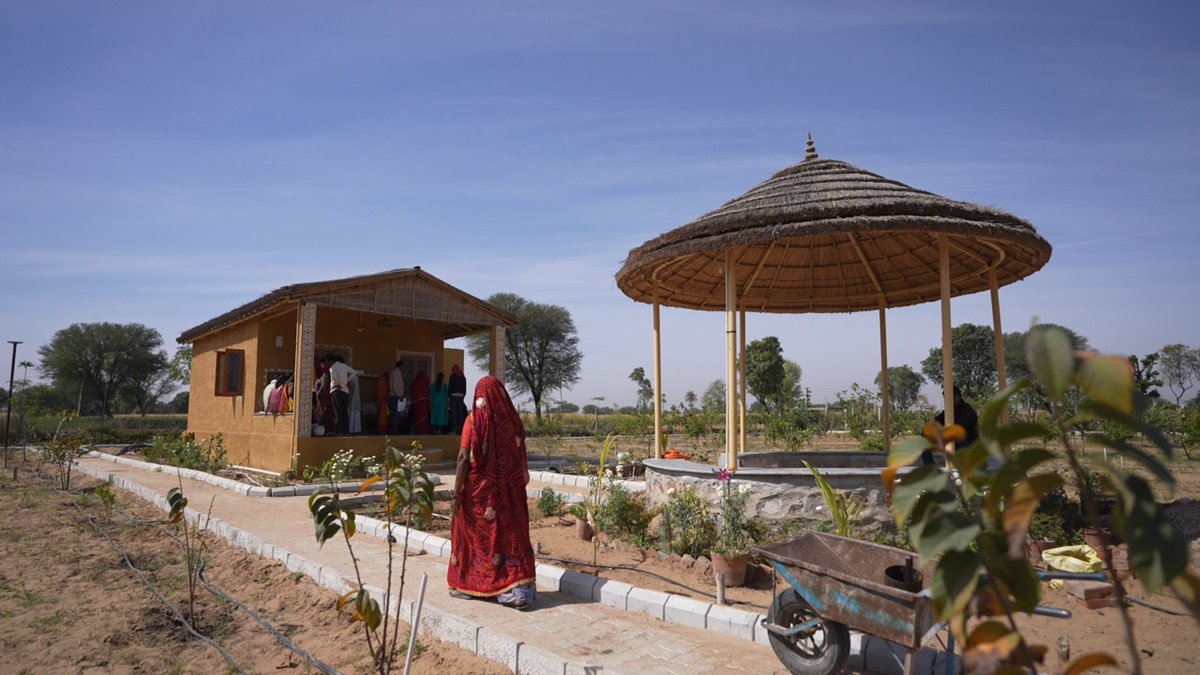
column 662, row 555
column 688, row 560
column 702, row 565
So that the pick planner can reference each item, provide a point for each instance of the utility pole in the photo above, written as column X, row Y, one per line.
column 12, row 372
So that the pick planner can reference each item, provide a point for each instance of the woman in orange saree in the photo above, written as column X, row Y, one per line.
column 490, row 552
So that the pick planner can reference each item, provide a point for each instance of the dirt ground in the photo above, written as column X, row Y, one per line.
column 69, row 603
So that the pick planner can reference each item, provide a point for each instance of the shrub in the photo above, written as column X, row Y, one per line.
column 186, row 452
column 624, row 515
column 550, row 503
column 344, row 465
column 688, row 526
column 62, row 453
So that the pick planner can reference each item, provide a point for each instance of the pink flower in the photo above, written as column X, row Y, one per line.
column 723, row 475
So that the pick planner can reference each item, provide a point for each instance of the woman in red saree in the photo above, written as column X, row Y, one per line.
column 490, row 552
column 418, row 392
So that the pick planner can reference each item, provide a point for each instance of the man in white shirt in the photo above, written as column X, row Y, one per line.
column 395, row 396
column 340, row 375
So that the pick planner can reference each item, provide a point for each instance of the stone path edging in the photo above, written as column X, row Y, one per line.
column 237, row 486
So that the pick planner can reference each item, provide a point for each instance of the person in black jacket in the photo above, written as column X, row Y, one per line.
column 965, row 417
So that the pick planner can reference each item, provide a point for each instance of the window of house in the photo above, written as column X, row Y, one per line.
column 231, row 368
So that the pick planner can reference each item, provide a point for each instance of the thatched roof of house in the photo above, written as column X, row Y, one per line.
column 400, row 293
column 826, row 236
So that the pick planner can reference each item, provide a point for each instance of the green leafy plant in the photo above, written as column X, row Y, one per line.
column 408, row 497
column 344, row 465
column 688, row 526
column 186, row 452
column 194, row 542
column 550, row 503
column 843, row 510
column 108, row 498
column 735, row 536
column 622, row 514
column 594, row 496
column 62, row 452
column 974, row 521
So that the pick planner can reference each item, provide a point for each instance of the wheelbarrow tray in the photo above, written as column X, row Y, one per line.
column 843, row 580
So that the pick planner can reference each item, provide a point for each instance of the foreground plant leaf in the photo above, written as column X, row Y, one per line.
column 1051, row 360
column 1088, row 661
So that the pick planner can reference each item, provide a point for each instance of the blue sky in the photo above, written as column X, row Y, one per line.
column 164, row 162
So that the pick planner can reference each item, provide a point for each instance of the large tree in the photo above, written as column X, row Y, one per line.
column 904, row 386
column 768, row 377
column 108, row 359
column 974, row 361
column 645, row 390
column 1145, row 374
column 541, row 351
column 1180, row 369
column 713, row 398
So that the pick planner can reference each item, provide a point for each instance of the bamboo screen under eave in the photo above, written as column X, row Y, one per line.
column 405, row 299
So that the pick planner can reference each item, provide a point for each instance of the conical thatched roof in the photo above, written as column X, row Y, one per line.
column 826, row 236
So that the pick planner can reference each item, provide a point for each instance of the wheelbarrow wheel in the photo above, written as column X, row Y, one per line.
column 821, row 650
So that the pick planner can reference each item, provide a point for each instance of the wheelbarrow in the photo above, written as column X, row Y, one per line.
column 835, row 584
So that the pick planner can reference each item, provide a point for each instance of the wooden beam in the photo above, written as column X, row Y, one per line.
column 1001, row 378
column 947, row 336
column 730, row 358
column 658, row 437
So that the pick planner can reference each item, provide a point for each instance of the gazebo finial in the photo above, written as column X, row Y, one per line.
column 810, row 150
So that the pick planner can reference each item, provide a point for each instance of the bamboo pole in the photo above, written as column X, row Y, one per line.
column 658, row 439
column 947, row 335
column 883, row 376
column 1001, row 379
column 730, row 370
column 742, row 384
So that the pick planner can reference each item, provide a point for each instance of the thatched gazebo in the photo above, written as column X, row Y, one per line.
column 826, row 236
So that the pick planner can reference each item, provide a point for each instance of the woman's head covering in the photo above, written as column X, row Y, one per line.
column 496, row 422
column 455, row 370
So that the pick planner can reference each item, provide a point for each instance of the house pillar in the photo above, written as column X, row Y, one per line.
column 306, row 332
column 497, row 348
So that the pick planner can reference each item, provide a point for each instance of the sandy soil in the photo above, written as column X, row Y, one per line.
column 69, row 604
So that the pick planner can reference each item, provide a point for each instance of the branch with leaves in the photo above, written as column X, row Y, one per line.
column 973, row 519
column 407, row 497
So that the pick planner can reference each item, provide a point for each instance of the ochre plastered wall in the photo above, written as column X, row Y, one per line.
column 261, row 441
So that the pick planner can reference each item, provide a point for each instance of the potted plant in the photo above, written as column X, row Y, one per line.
column 730, row 554
column 1046, row 531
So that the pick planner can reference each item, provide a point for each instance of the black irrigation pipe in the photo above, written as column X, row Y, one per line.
column 266, row 625
column 1156, row 608
column 178, row 616
column 647, row 573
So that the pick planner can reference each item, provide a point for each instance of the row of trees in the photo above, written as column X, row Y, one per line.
column 105, row 368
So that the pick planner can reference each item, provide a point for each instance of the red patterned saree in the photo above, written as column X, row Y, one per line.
column 491, row 555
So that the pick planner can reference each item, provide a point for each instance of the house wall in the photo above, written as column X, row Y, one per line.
column 262, row 441
column 267, row 441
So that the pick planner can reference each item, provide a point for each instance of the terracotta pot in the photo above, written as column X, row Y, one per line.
column 583, row 529
column 1093, row 538
column 734, row 568
column 1034, row 548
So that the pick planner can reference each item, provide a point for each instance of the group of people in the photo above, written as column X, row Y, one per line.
column 337, row 405
column 422, row 408
column 278, row 395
